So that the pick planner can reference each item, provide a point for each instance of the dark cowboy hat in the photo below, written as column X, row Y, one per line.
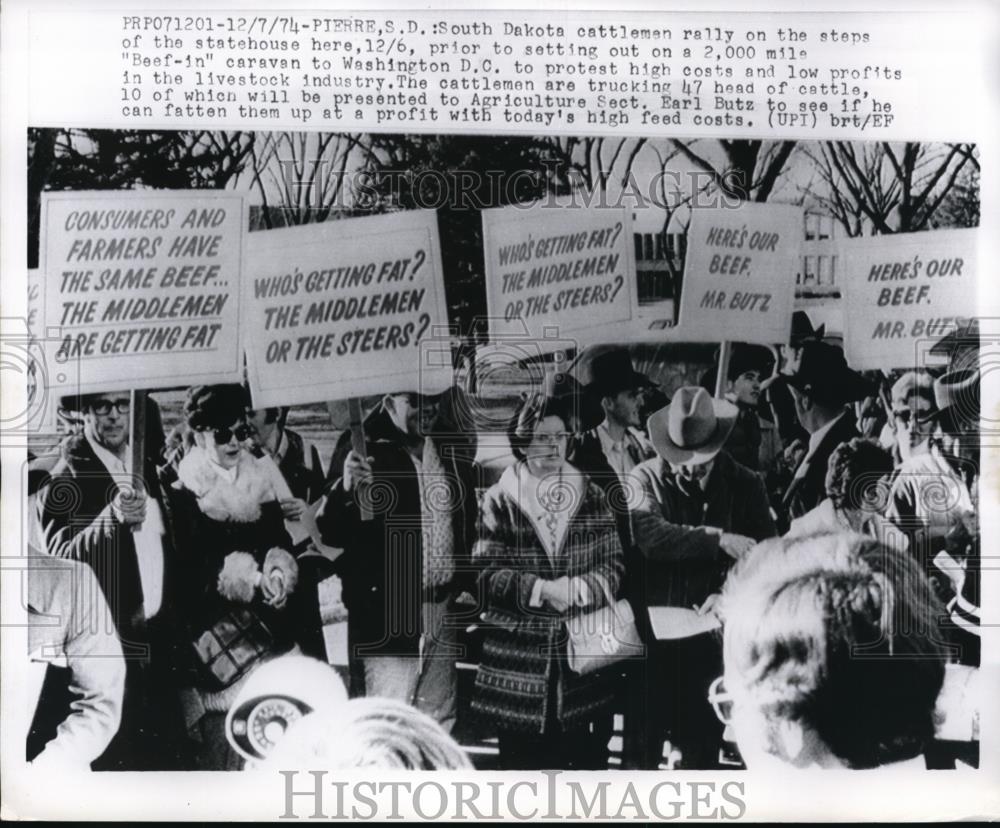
column 583, row 407
column 693, row 427
column 745, row 357
column 966, row 336
column 823, row 374
column 803, row 330
column 956, row 390
column 606, row 371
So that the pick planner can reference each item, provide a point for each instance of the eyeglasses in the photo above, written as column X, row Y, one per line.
column 906, row 416
column 103, row 407
column 550, row 438
column 224, row 435
column 721, row 701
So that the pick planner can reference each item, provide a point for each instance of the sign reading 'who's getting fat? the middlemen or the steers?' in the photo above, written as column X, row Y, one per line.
column 559, row 269
column 342, row 309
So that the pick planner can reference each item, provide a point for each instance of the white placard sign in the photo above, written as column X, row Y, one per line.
column 551, row 268
column 141, row 289
column 904, row 292
column 42, row 404
column 739, row 275
column 341, row 309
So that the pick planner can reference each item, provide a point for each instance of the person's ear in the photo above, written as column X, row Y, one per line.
column 607, row 403
column 803, row 402
column 199, row 438
column 389, row 404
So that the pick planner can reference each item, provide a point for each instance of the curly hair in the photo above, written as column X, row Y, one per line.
column 840, row 633
column 856, row 475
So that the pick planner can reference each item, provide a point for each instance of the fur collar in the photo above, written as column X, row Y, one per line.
column 220, row 499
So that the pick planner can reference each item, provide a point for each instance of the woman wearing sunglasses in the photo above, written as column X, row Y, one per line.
column 240, row 577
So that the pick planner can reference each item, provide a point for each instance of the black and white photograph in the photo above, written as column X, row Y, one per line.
column 418, row 530
column 593, row 414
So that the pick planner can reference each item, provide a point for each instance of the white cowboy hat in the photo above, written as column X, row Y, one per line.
column 692, row 428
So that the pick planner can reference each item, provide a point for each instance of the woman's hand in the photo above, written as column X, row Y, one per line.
column 279, row 578
column 736, row 546
column 710, row 605
column 557, row 593
column 579, row 591
column 293, row 507
column 274, row 589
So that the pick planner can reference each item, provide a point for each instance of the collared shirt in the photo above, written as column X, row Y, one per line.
column 436, row 508
column 623, row 455
column 148, row 537
column 277, row 446
column 817, row 436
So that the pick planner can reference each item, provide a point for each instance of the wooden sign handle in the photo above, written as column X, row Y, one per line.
column 357, row 418
column 725, row 351
column 137, row 440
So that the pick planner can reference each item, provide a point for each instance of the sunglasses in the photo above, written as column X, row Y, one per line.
column 103, row 407
column 721, row 701
column 224, row 435
column 905, row 416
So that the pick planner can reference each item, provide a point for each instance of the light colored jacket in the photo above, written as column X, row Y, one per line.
column 69, row 625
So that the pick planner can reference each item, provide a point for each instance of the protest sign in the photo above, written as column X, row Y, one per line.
column 341, row 309
column 42, row 406
column 34, row 300
column 553, row 269
column 904, row 292
column 141, row 289
column 739, row 276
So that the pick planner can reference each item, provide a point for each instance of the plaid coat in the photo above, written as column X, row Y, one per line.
column 523, row 665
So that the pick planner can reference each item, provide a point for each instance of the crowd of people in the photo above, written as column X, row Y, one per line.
column 826, row 518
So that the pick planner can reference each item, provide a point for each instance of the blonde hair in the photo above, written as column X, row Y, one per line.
column 369, row 733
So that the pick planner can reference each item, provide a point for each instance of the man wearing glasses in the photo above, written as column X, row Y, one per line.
column 95, row 509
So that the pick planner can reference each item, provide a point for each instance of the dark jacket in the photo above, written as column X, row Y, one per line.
column 209, row 542
column 808, row 486
column 678, row 533
column 302, row 468
column 523, row 664
column 586, row 453
column 382, row 564
column 77, row 523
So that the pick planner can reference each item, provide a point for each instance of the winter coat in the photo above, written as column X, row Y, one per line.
column 382, row 564
column 76, row 520
column 523, row 667
column 678, row 531
column 214, row 519
column 808, row 486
